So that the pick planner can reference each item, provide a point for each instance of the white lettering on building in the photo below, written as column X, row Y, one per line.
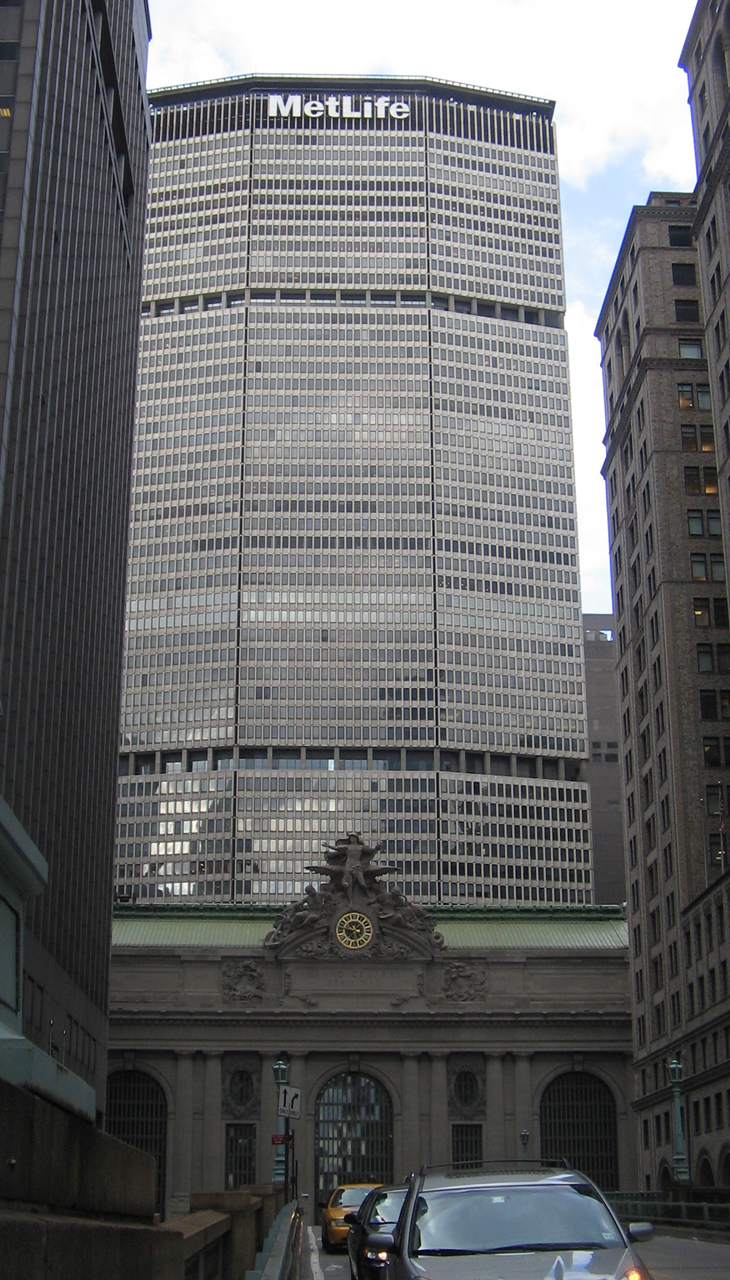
column 336, row 106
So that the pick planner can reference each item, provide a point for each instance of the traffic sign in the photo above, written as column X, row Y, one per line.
column 290, row 1101
column 278, row 1140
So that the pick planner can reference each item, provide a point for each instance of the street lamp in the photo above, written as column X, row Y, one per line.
column 281, row 1072
column 681, row 1168
column 281, row 1158
column 524, row 1139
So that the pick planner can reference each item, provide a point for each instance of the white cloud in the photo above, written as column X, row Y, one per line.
column 621, row 101
column 613, row 71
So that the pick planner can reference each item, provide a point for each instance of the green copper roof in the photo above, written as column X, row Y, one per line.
column 590, row 928
column 534, row 932
column 178, row 931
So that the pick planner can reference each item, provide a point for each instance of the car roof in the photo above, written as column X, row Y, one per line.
column 342, row 1186
column 436, row 1181
column 389, row 1189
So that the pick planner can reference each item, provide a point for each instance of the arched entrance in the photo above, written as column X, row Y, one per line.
column 705, row 1176
column 353, row 1133
column 578, row 1123
column 136, row 1112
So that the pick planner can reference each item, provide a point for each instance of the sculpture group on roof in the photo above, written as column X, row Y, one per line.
column 352, row 881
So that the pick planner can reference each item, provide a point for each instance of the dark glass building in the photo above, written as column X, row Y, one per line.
column 353, row 570
column 74, row 143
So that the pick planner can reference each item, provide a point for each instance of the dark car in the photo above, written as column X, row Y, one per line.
column 531, row 1225
column 379, row 1211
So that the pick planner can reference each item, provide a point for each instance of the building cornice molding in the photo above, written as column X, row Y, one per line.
column 644, row 213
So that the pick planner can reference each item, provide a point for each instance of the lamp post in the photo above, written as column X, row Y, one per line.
column 681, row 1168
column 524, row 1139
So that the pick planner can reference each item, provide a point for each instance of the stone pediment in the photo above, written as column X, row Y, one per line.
column 353, row 913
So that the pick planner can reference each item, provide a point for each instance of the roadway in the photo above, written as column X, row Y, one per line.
column 686, row 1258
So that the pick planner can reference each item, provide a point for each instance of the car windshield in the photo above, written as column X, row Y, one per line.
column 349, row 1197
column 386, row 1208
column 492, row 1219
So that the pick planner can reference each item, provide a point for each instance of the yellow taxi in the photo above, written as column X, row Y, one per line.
column 346, row 1198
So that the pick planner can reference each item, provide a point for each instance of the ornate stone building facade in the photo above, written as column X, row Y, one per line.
column 664, row 334
column 672, row 658
column 454, row 1037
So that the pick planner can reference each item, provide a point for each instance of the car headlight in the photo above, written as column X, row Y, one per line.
column 634, row 1274
column 376, row 1255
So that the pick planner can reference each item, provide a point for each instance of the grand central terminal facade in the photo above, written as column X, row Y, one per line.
column 448, row 1037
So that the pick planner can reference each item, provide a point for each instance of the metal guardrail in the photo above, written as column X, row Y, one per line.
column 274, row 1262
column 649, row 1206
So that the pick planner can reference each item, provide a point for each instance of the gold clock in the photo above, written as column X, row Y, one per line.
column 354, row 930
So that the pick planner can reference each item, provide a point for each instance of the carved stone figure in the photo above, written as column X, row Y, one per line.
column 352, row 912
column 242, row 981
column 465, row 983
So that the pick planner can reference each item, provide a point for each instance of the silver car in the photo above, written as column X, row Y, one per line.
column 533, row 1225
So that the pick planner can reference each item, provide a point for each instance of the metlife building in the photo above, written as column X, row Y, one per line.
column 353, row 594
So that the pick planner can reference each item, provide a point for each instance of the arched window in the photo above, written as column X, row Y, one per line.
column 353, row 1133
column 578, row 1124
column 136, row 1112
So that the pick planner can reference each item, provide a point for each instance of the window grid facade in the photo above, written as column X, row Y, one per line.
column 681, row 997
column 136, row 1113
column 578, row 1123
column 353, row 523
column 73, row 175
column 670, row 608
column 353, row 1133
column 466, row 1146
column 240, row 1156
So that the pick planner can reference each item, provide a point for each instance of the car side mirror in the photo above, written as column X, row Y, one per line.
column 351, row 1219
column 640, row 1231
column 380, row 1242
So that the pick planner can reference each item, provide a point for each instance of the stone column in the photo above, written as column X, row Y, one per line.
column 267, row 1152
column 410, row 1111
column 439, row 1110
column 523, row 1107
column 628, row 1163
column 306, row 1146
column 495, row 1108
column 183, row 1137
column 212, row 1125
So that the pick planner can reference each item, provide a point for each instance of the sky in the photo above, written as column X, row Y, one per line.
column 621, row 112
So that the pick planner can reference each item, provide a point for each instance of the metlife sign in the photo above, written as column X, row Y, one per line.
column 337, row 107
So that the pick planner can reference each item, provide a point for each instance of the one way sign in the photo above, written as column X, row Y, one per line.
column 290, row 1101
